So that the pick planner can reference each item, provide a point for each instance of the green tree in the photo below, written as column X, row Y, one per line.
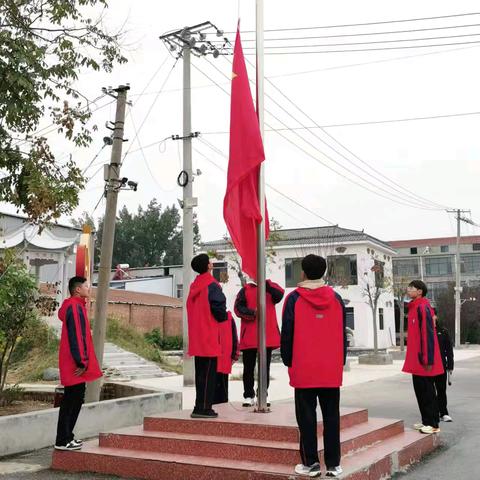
column 151, row 236
column 18, row 294
column 44, row 45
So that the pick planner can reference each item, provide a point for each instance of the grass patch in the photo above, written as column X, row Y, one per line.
column 36, row 350
column 129, row 339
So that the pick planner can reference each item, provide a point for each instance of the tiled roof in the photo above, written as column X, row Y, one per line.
column 311, row 236
column 434, row 242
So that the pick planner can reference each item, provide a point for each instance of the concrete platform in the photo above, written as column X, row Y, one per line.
column 243, row 445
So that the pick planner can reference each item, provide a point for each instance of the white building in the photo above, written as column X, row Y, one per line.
column 351, row 256
column 50, row 253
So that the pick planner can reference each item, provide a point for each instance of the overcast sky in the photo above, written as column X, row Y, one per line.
column 437, row 159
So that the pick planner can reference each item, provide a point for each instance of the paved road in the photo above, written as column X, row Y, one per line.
column 391, row 397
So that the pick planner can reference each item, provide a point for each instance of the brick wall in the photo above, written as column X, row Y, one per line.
column 144, row 312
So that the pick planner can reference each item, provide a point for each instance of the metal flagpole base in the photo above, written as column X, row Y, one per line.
column 262, row 410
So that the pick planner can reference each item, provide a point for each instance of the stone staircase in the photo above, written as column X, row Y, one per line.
column 242, row 445
column 118, row 364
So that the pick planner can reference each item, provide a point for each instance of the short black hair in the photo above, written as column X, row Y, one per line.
column 200, row 263
column 419, row 285
column 74, row 282
column 314, row 266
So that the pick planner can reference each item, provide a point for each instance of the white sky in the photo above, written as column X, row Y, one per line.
column 437, row 159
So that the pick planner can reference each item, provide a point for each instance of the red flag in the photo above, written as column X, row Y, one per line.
column 241, row 209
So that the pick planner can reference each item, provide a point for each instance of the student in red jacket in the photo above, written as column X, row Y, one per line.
column 314, row 348
column 230, row 353
column 246, row 309
column 77, row 361
column 206, row 309
column 423, row 359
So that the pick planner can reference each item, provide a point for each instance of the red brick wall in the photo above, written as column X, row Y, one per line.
column 144, row 312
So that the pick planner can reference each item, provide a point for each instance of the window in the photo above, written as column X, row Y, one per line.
column 220, row 272
column 350, row 314
column 380, row 318
column 435, row 290
column 413, row 251
column 438, row 266
column 378, row 268
column 476, row 247
column 342, row 270
column 470, row 264
column 179, row 290
column 407, row 267
column 293, row 272
column 444, row 248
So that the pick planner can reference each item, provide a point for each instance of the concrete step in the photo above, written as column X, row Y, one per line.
column 237, row 421
column 376, row 462
column 254, row 450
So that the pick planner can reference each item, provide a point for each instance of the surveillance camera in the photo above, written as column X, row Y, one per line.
column 124, row 180
column 198, row 172
column 108, row 140
column 133, row 185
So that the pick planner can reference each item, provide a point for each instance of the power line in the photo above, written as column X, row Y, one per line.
column 145, row 118
column 410, row 194
column 94, row 158
column 363, row 34
column 377, row 49
column 219, row 152
column 353, row 124
column 145, row 161
column 371, row 62
column 371, row 42
column 383, row 22
column 417, row 204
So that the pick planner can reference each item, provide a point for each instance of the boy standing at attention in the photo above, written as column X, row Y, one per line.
column 314, row 348
column 77, row 361
column 423, row 358
column 206, row 309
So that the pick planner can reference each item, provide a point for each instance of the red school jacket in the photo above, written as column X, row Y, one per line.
column 206, row 308
column 313, row 337
column 229, row 345
column 422, row 342
column 245, row 307
column 76, row 345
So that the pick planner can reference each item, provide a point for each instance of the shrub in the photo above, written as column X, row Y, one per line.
column 164, row 343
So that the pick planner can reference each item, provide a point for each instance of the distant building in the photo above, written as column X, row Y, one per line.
column 433, row 261
column 50, row 254
column 353, row 257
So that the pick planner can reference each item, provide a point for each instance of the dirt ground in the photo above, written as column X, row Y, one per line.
column 23, row 406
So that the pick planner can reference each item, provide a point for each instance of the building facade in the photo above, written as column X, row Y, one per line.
column 433, row 261
column 355, row 260
column 50, row 253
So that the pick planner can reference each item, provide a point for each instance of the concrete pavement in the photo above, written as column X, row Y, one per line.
column 386, row 393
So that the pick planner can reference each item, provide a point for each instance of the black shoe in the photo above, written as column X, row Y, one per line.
column 204, row 413
column 71, row 446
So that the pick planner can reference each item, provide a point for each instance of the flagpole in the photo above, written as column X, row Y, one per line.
column 261, row 273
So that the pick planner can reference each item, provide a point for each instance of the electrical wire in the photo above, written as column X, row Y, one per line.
column 401, row 199
column 377, row 49
column 222, row 154
column 353, row 124
column 382, row 22
column 93, row 159
column 363, row 34
column 145, row 118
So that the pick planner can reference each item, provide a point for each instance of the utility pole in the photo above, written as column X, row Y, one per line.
column 184, row 42
column 188, row 203
column 113, row 185
column 458, row 280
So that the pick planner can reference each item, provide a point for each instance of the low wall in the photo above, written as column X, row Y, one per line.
column 35, row 430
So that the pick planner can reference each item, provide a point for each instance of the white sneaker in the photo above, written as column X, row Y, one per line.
column 428, row 429
column 334, row 472
column 446, row 418
column 69, row 446
column 418, row 426
column 312, row 471
column 248, row 402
